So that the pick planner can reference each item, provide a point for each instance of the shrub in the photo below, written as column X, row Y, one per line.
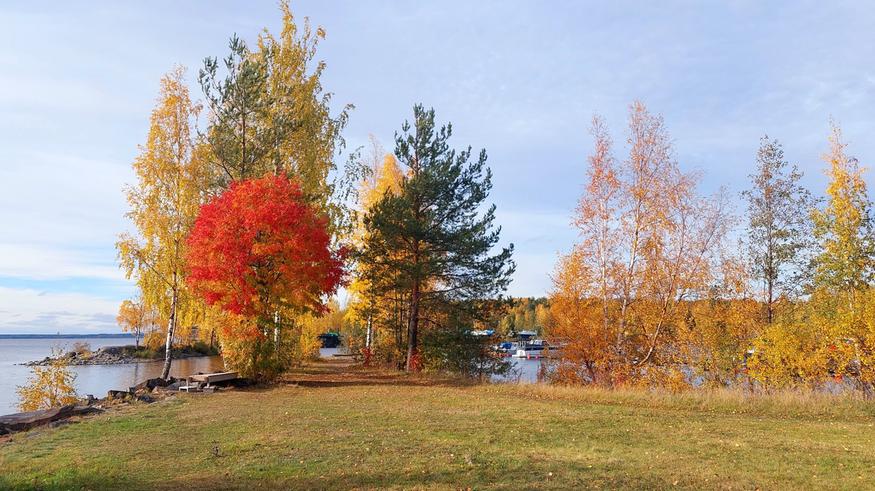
column 49, row 386
column 456, row 350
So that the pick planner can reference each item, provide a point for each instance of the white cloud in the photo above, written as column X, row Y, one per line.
column 60, row 216
column 61, row 199
column 34, row 311
column 38, row 262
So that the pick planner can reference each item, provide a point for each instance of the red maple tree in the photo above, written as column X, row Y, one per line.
column 259, row 248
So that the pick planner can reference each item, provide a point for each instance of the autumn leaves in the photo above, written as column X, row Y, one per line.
column 655, row 292
column 649, row 243
column 259, row 251
column 219, row 246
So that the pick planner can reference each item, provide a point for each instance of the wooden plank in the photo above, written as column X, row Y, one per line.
column 214, row 377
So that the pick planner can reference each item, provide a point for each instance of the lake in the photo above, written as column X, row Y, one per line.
column 90, row 379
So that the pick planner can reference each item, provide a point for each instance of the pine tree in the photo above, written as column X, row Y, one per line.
column 270, row 114
column 779, row 228
column 236, row 102
column 431, row 237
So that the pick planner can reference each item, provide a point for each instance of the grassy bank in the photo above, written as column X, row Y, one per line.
column 371, row 429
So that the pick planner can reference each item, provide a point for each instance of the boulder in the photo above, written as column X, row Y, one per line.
column 23, row 421
column 146, row 398
column 175, row 385
column 148, row 385
column 118, row 394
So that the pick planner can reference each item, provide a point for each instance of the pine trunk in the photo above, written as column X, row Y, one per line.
column 412, row 329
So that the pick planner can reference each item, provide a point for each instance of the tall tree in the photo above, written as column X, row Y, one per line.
column 432, row 235
column 845, row 268
column 649, row 243
column 779, row 225
column 270, row 114
column 377, row 309
column 844, row 227
column 164, row 204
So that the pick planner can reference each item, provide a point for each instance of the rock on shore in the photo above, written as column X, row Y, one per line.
column 23, row 421
column 115, row 355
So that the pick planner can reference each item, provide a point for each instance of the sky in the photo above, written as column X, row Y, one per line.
column 521, row 79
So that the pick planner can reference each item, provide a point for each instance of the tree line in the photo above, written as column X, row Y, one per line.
column 246, row 226
column 656, row 291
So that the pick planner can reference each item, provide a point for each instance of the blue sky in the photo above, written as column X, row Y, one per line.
column 521, row 79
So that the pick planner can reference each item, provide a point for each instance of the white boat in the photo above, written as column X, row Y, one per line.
column 531, row 350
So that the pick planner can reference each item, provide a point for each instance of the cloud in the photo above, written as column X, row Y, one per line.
column 34, row 311
column 61, row 215
column 521, row 79
column 61, row 198
column 41, row 262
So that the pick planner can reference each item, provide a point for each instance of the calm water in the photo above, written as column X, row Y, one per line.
column 90, row 379
column 523, row 371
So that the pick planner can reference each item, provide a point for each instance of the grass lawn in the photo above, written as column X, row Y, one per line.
column 357, row 429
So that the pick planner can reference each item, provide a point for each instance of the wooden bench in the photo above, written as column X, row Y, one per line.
column 203, row 380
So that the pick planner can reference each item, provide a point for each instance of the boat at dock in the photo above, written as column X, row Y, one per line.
column 533, row 349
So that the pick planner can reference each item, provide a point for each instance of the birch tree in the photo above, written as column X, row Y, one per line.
column 649, row 243
column 164, row 203
column 779, row 226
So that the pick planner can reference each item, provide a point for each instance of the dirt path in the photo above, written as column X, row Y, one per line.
column 344, row 371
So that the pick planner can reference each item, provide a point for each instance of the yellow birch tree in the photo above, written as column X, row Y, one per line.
column 164, row 202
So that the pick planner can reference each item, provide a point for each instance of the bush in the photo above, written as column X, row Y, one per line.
column 456, row 350
column 49, row 386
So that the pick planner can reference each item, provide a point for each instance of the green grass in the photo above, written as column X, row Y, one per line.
column 382, row 432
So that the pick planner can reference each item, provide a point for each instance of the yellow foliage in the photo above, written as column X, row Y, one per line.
column 843, row 228
column 294, row 74
column 649, row 245
column 138, row 319
column 172, row 182
column 831, row 335
column 385, row 177
column 48, row 386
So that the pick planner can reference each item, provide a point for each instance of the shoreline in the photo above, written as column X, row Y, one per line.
column 120, row 355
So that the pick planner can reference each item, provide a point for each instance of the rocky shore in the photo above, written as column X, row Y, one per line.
column 116, row 355
column 148, row 391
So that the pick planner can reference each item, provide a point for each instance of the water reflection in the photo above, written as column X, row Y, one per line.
column 522, row 371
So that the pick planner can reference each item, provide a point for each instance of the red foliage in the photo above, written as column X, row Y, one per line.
column 260, row 245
